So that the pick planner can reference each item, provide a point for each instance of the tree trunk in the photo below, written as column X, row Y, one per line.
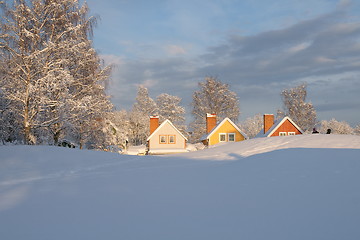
column 27, row 127
column 56, row 137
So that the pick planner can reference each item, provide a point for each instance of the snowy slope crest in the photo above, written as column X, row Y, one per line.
column 231, row 151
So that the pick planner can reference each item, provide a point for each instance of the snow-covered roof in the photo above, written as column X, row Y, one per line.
column 207, row 136
column 167, row 121
column 275, row 126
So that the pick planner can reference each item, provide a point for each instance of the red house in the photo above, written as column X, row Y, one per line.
column 282, row 127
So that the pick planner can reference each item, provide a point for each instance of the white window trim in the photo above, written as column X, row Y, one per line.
column 233, row 135
column 222, row 134
column 282, row 133
column 291, row 133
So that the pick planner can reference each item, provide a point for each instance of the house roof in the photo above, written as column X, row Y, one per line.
column 207, row 136
column 275, row 126
column 167, row 121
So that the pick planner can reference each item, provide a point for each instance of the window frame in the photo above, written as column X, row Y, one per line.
column 291, row 133
column 169, row 137
column 231, row 134
column 282, row 134
column 222, row 134
column 160, row 138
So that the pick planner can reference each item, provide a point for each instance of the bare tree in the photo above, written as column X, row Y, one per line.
column 169, row 108
column 52, row 68
column 301, row 112
column 143, row 107
column 214, row 97
column 253, row 125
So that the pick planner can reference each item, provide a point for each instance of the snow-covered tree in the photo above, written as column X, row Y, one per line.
column 144, row 103
column 336, row 127
column 301, row 112
column 54, row 79
column 253, row 125
column 169, row 108
column 139, row 123
column 213, row 97
column 117, row 126
column 357, row 129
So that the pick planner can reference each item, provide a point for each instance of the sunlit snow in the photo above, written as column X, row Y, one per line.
column 298, row 187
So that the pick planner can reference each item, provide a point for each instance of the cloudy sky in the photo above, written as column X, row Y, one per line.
column 258, row 47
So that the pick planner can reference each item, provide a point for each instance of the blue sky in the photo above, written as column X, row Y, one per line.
column 258, row 47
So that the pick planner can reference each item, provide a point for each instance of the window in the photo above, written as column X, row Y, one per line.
column 222, row 137
column 291, row 133
column 282, row 133
column 162, row 139
column 172, row 139
column 231, row 137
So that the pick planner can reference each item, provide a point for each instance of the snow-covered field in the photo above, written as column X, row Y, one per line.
column 282, row 188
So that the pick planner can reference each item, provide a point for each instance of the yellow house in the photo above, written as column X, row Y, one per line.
column 225, row 131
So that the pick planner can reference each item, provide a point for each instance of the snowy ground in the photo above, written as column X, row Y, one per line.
column 298, row 187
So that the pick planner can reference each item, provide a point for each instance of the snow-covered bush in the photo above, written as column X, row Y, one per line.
column 336, row 127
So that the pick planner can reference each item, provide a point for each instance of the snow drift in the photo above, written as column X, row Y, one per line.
column 302, row 187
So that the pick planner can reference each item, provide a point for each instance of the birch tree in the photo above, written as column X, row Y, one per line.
column 295, row 106
column 214, row 97
column 253, row 125
column 169, row 108
column 55, row 78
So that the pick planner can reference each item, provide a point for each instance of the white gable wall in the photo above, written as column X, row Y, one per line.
column 166, row 130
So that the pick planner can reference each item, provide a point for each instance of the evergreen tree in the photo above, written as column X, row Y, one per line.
column 213, row 97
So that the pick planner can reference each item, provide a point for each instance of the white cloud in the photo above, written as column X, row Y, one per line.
column 299, row 47
column 175, row 50
column 324, row 60
column 309, row 49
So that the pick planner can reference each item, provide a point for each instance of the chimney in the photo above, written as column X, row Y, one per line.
column 210, row 122
column 268, row 122
column 154, row 123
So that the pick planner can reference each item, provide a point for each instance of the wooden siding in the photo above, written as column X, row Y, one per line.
column 225, row 128
column 167, row 130
column 287, row 127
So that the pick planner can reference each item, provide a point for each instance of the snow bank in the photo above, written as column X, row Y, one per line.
column 230, row 151
column 285, row 191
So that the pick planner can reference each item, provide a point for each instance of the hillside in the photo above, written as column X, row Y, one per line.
column 299, row 187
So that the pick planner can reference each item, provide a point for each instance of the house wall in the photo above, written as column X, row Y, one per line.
column 225, row 128
column 287, row 126
column 167, row 129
